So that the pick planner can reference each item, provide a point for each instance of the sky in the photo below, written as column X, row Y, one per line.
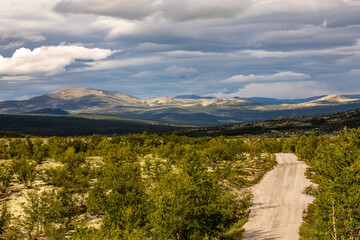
column 155, row 48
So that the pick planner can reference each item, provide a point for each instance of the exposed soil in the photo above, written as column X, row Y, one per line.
column 278, row 202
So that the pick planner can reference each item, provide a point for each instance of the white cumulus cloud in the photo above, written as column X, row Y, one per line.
column 48, row 60
column 278, row 77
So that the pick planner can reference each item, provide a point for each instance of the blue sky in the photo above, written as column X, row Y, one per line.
column 154, row 48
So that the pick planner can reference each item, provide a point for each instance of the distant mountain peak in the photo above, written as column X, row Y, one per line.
column 334, row 98
column 69, row 93
column 192, row 96
column 73, row 93
column 161, row 101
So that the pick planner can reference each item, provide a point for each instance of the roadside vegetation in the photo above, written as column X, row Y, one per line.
column 335, row 168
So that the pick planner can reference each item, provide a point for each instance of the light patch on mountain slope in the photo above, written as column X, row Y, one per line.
column 330, row 100
column 73, row 93
column 335, row 98
column 172, row 102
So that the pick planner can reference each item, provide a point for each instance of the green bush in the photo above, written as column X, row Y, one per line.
column 40, row 150
column 74, row 175
column 51, row 212
column 25, row 170
column 190, row 204
column 5, row 178
column 5, row 217
column 120, row 192
column 35, row 211
column 17, row 148
column 3, row 150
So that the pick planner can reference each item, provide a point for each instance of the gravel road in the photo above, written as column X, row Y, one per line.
column 278, row 201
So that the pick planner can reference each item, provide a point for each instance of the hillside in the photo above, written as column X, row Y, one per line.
column 49, row 111
column 72, row 125
column 40, row 125
column 284, row 126
column 277, row 101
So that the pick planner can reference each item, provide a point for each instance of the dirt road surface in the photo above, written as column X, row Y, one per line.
column 278, row 201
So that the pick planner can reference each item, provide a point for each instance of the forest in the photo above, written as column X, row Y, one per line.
column 148, row 186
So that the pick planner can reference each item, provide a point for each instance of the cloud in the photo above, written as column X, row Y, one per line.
column 183, row 10
column 31, row 37
column 278, row 77
column 25, row 20
column 325, row 23
column 115, row 27
column 15, row 78
column 277, row 6
column 355, row 72
column 189, row 54
column 350, row 50
column 127, row 9
column 120, row 63
column 48, row 60
column 15, row 44
column 146, row 74
column 279, row 90
column 352, row 2
column 175, row 71
column 35, row 23
column 204, row 41
column 202, row 9
column 172, row 71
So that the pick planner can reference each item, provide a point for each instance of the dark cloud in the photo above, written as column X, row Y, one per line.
column 128, row 9
column 138, row 10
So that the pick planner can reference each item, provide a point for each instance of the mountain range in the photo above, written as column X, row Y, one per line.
column 185, row 110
